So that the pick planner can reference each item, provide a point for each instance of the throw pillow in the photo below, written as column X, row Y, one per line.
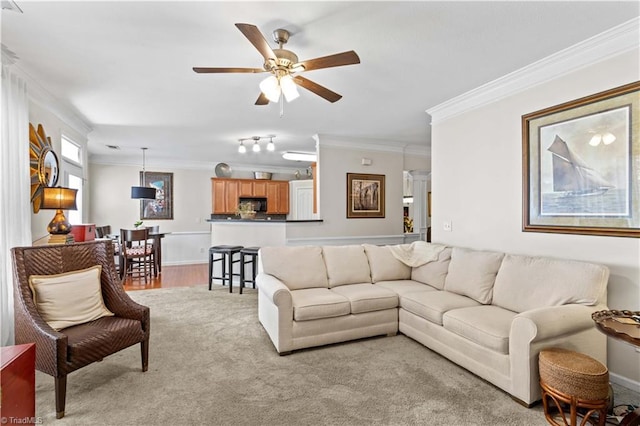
column 68, row 299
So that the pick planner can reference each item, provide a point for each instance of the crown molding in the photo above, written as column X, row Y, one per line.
column 171, row 164
column 608, row 44
column 368, row 144
column 42, row 97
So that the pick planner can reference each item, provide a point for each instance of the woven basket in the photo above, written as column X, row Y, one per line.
column 573, row 373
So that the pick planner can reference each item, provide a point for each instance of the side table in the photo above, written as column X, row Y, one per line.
column 623, row 325
column 18, row 376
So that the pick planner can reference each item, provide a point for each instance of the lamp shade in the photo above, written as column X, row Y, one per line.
column 59, row 198
column 271, row 88
column 143, row 193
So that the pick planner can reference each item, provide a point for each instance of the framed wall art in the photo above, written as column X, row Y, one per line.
column 365, row 196
column 581, row 165
column 162, row 207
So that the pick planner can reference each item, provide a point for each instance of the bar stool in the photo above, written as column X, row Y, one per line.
column 573, row 379
column 252, row 253
column 227, row 260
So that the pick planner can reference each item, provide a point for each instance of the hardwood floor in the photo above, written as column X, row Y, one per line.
column 172, row 276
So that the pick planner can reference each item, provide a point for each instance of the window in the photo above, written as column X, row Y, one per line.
column 71, row 151
column 73, row 176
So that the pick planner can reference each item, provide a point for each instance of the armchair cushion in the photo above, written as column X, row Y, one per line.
column 70, row 298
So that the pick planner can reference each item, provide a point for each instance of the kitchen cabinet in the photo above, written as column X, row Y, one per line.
column 259, row 188
column 277, row 197
column 225, row 194
column 246, row 188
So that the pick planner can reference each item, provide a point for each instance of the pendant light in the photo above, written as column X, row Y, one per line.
column 143, row 192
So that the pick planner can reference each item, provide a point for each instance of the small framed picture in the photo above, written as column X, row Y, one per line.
column 365, row 196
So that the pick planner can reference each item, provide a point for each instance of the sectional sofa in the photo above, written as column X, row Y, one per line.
column 489, row 312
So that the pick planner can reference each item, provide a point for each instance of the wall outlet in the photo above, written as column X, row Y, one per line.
column 201, row 249
column 446, row 226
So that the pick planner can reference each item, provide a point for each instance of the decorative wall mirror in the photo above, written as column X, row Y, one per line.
column 43, row 164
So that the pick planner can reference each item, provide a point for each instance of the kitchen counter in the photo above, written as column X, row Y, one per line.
column 255, row 232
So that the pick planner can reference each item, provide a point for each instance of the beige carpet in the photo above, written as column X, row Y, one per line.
column 211, row 363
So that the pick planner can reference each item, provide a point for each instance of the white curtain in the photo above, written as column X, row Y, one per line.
column 15, row 203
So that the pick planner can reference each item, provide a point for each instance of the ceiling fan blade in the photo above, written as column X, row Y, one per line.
column 227, row 70
column 257, row 39
column 337, row 60
column 262, row 100
column 317, row 89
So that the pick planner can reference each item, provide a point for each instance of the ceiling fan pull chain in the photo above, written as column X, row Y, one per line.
column 281, row 106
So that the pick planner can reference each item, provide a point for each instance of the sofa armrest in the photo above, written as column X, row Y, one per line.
column 275, row 311
column 273, row 289
column 553, row 321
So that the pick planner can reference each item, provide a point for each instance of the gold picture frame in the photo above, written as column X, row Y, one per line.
column 365, row 196
column 580, row 165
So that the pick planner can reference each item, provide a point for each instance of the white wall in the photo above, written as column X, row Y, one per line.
column 54, row 127
column 111, row 204
column 477, row 185
column 336, row 158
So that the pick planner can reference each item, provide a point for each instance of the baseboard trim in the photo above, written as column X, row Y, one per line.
column 346, row 240
column 624, row 381
column 185, row 262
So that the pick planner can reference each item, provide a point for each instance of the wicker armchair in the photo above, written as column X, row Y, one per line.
column 59, row 353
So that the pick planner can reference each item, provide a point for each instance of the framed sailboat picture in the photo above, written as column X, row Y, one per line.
column 581, row 165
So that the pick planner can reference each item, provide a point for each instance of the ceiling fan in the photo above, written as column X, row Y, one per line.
column 284, row 67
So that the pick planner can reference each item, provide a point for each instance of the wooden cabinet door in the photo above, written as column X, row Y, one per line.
column 272, row 197
column 245, row 188
column 259, row 189
column 278, row 197
column 283, row 197
column 231, row 196
column 218, row 196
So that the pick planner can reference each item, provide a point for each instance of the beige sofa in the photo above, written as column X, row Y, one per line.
column 489, row 312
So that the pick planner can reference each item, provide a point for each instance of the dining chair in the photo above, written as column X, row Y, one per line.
column 154, row 244
column 105, row 232
column 138, row 256
column 61, row 350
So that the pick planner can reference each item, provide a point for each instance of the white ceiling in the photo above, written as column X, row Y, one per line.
column 126, row 67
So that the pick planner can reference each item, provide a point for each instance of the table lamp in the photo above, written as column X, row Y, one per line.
column 59, row 199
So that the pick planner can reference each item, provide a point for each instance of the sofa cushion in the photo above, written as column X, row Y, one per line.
column 472, row 273
column 526, row 282
column 367, row 297
column 297, row 267
column 346, row 265
column 432, row 305
column 486, row 325
column 433, row 273
column 315, row 303
column 384, row 266
column 404, row 286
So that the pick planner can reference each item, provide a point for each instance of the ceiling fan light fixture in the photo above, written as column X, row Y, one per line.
column 299, row 156
column 271, row 88
column 289, row 88
column 242, row 149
